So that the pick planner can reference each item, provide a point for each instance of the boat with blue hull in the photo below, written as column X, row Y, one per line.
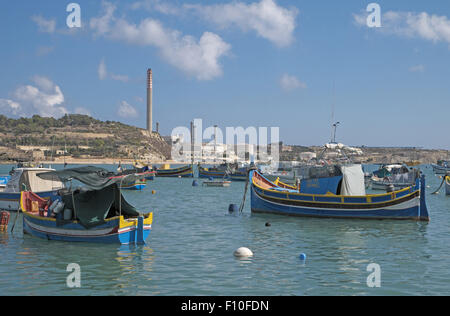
column 269, row 197
column 442, row 167
column 97, row 213
column 183, row 172
column 26, row 178
column 225, row 171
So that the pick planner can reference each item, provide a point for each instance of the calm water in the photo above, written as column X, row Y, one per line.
column 190, row 251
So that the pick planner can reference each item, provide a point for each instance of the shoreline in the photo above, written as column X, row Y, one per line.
column 99, row 161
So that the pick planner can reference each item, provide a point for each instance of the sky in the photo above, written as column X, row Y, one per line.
column 261, row 63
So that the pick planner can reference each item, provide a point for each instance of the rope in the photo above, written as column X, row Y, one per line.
column 442, row 183
column 241, row 208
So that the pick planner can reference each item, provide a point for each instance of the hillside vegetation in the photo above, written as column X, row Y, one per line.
column 78, row 136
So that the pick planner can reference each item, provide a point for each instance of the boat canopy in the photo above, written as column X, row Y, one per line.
column 28, row 179
column 345, row 180
column 94, row 177
column 352, row 181
column 101, row 199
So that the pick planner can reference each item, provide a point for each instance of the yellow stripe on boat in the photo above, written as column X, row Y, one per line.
column 369, row 197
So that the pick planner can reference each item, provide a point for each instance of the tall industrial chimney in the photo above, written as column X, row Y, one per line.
column 149, row 100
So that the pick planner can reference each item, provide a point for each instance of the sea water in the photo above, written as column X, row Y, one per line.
column 190, row 251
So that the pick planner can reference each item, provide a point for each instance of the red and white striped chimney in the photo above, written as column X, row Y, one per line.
column 149, row 100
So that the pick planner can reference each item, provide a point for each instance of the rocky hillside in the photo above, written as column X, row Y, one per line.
column 77, row 136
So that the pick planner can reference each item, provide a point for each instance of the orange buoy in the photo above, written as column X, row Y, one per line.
column 4, row 220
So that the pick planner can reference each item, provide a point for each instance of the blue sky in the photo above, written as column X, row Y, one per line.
column 259, row 63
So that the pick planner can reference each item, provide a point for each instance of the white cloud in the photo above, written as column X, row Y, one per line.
column 102, row 72
column 412, row 25
column 266, row 18
column 417, row 68
column 125, row 110
column 9, row 107
column 156, row 5
column 196, row 58
column 290, row 83
column 44, row 25
column 101, row 25
column 45, row 99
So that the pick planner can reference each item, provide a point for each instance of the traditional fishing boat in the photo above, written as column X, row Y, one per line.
column 26, row 179
column 137, row 184
column 393, row 176
column 219, row 172
column 336, row 192
column 96, row 213
column 232, row 172
column 141, row 167
column 442, row 167
column 184, row 172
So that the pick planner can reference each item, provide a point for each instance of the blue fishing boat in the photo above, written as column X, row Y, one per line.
column 442, row 167
column 219, row 172
column 138, row 184
column 96, row 213
column 26, row 178
column 336, row 192
column 224, row 171
column 184, row 172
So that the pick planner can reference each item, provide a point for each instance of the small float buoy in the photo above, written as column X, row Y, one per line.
column 302, row 257
column 268, row 224
column 243, row 252
column 153, row 192
column 195, row 183
column 232, row 208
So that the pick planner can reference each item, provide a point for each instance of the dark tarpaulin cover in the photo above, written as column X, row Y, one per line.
column 95, row 177
column 93, row 206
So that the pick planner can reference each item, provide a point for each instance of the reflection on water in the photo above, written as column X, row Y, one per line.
column 190, row 252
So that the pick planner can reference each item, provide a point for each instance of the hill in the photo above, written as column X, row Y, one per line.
column 79, row 137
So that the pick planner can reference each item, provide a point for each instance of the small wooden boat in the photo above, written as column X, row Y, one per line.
column 97, row 213
column 184, row 172
column 396, row 176
column 219, row 172
column 26, row 178
column 217, row 183
column 337, row 195
column 225, row 171
column 442, row 167
column 138, row 184
column 447, row 185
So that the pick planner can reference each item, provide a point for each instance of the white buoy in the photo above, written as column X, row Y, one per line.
column 243, row 252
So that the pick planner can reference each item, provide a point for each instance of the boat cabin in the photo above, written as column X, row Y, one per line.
column 26, row 179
